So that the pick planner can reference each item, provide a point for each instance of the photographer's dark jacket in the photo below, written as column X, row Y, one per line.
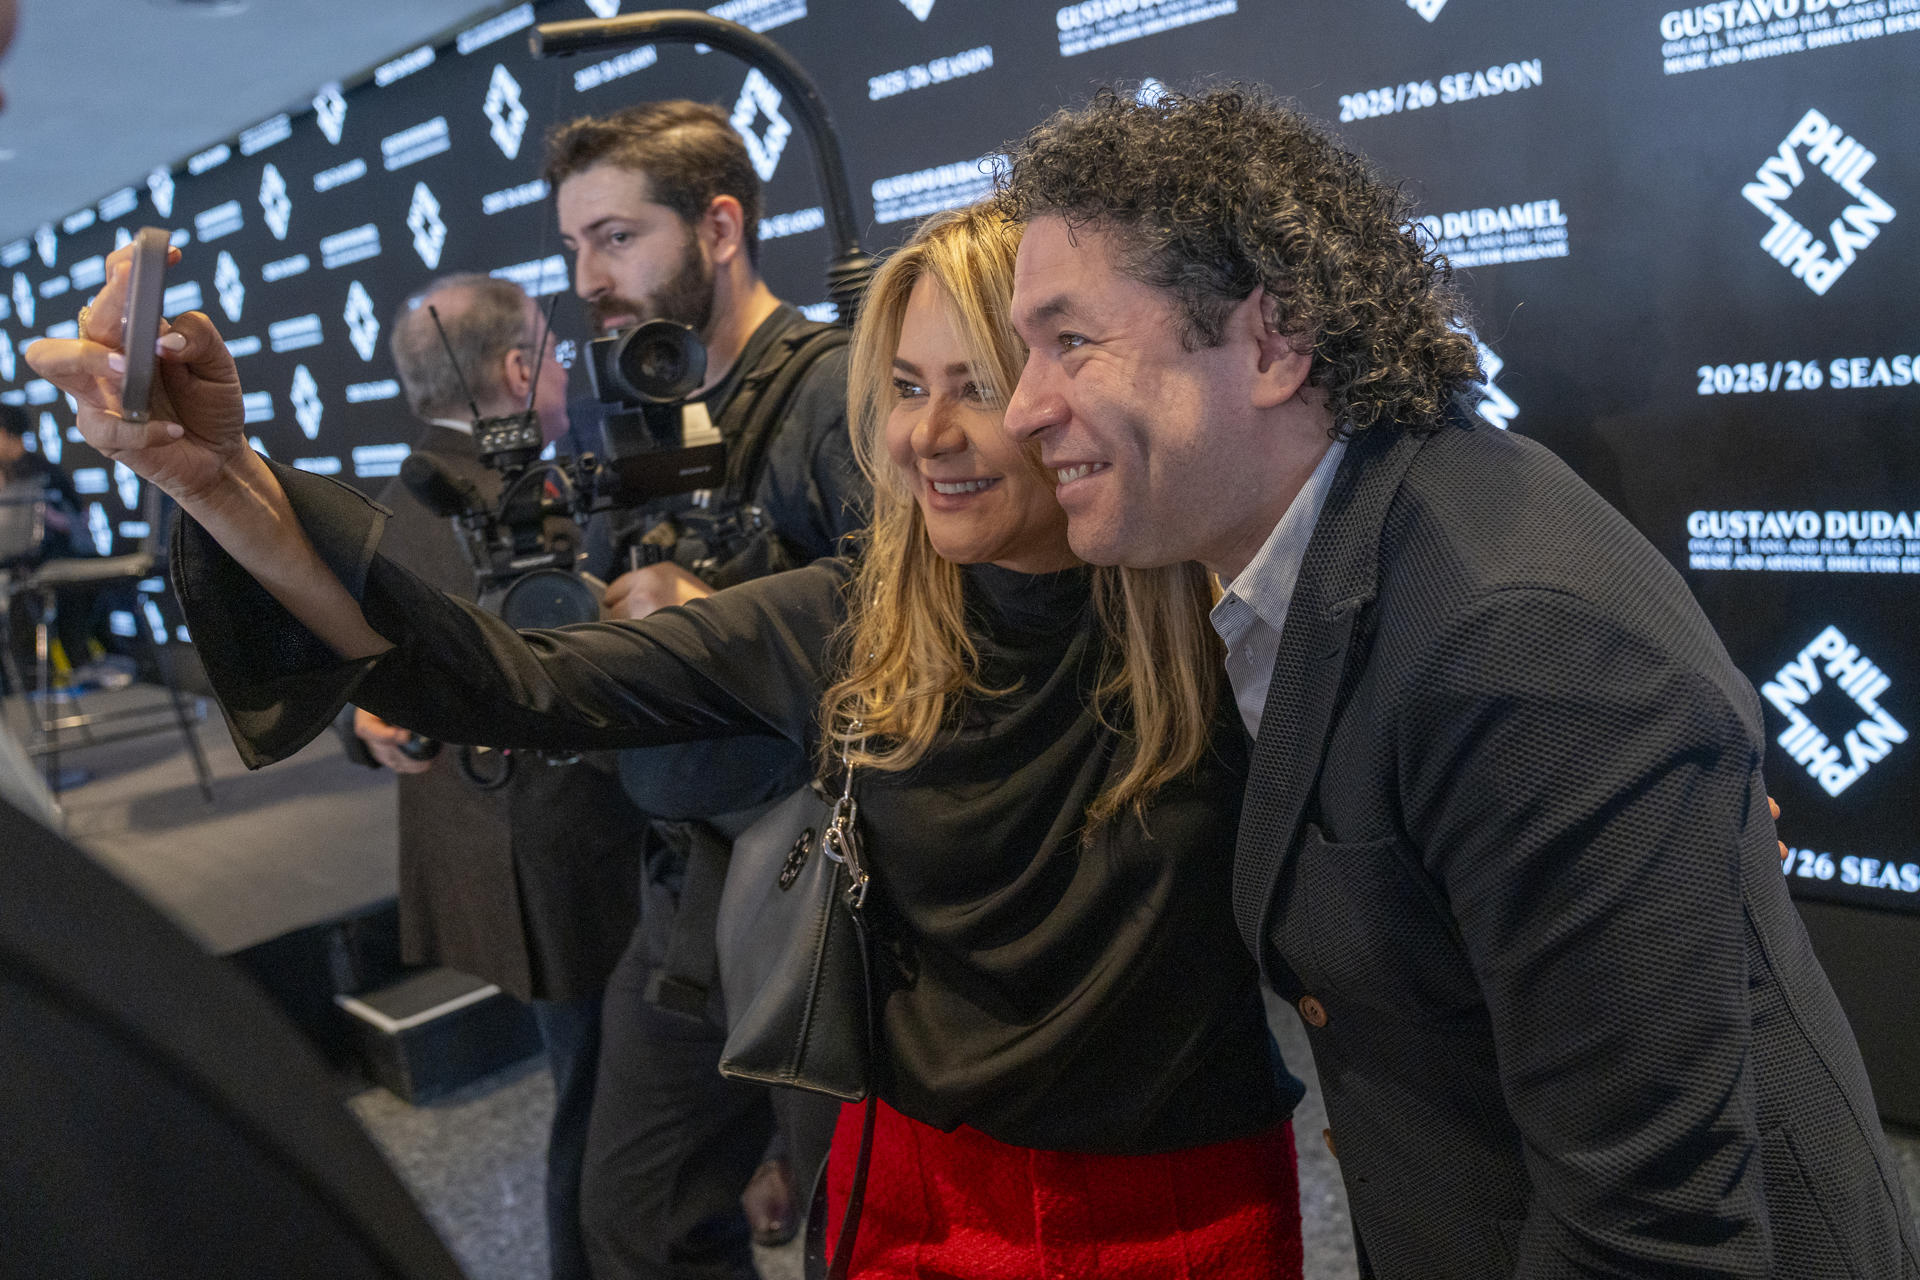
column 532, row 886
column 1049, row 993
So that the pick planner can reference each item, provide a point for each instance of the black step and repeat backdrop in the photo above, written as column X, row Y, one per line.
column 1681, row 229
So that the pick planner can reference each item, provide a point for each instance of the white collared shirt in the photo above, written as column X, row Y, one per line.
column 1250, row 615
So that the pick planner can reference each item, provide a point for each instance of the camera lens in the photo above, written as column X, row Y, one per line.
column 659, row 362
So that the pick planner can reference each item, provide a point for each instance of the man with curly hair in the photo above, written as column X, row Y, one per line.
column 1506, row 847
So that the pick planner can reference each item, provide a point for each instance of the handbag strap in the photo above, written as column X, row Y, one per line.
column 844, row 811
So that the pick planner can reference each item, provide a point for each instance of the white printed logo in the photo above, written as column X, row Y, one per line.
column 49, row 245
column 7, row 364
column 1496, row 406
column 363, row 327
column 274, row 204
column 919, row 8
column 604, row 8
column 228, row 284
column 330, row 112
column 1428, row 9
column 306, row 401
column 504, row 109
column 100, row 527
column 759, row 98
column 1866, row 744
column 128, row 484
column 23, row 303
column 50, row 439
column 160, row 187
column 429, row 232
column 1151, row 92
column 1842, row 158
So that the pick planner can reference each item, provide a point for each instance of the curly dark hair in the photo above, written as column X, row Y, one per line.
column 688, row 152
column 1212, row 194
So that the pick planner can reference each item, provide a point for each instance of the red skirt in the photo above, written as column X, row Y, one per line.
column 963, row 1206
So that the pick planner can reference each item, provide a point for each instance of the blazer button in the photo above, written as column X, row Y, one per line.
column 1326, row 1136
column 1313, row 1011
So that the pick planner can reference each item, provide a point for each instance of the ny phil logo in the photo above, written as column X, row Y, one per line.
column 1834, row 765
column 363, row 326
column 330, row 112
column 1496, row 406
column 921, row 8
column 228, row 284
column 759, row 99
column 1842, row 158
column 1428, row 9
column 429, row 232
column 306, row 401
column 274, row 205
column 505, row 112
column 23, row 303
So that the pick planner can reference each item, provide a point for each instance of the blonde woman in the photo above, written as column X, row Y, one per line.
column 1076, row 1073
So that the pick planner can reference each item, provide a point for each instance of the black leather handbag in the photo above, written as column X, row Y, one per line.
column 793, row 949
column 795, row 972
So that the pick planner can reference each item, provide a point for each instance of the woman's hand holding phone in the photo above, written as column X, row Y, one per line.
column 195, row 425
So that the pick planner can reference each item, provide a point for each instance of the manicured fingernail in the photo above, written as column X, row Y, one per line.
column 175, row 431
column 116, row 362
column 172, row 342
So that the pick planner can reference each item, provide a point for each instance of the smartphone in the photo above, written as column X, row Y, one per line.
column 145, row 289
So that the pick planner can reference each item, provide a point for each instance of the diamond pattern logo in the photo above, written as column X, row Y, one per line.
column 49, row 245
column 7, row 360
column 49, row 438
column 363, row 326
column 921, row 8
column 429, row 232
column 760, row 100
column 129, row 485
column 227, row 283
column 1428, row 9
column 23, row 299
column 504, row 109
column 274, row 203
column 1496, row 406
column 160, row 187
column 604, row 8
column 330, row 112
column 100, row 526
column 306, row 401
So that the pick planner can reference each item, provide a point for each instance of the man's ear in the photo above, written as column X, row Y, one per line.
column 1282, row 362
column 516, row 375
column 722, row 230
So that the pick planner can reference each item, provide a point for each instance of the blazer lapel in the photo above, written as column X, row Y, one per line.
column 1338, row 578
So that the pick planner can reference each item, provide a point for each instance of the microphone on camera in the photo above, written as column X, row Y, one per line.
column 438, row 488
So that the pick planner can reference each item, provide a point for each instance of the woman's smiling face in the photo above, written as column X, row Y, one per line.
column 983, row 497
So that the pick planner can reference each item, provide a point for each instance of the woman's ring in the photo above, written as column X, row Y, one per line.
column 85, row 311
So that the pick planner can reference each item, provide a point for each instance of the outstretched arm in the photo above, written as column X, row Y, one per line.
column 194, row 447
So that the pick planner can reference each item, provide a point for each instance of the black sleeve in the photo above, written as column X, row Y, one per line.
column 749, row 660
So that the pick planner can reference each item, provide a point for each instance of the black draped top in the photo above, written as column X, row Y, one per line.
column 1050, row 991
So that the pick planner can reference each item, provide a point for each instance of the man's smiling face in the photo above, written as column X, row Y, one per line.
column 1147, row 439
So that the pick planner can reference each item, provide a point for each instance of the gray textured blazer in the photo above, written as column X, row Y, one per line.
column 1506, row 847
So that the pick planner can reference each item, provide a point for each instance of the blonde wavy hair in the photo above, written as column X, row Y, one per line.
column 910, row 657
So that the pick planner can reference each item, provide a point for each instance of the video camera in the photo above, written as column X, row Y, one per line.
column 524, row 545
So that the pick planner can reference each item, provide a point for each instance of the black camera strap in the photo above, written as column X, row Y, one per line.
column 764, row 398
